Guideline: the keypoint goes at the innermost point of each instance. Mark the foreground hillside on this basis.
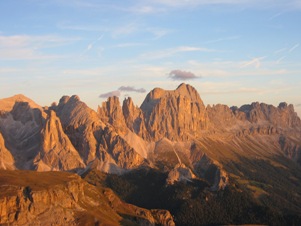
(59, 198)
(205, 164)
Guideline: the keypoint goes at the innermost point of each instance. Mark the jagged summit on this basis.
(8, 103)
(188, 91)
(175, 114)
(171, 142)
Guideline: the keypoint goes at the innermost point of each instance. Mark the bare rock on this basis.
(134, 118)
(176, 115)
(180, 173)
(57, 152)
(111, 113)
(7, 161)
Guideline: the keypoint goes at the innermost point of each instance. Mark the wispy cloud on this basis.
(25, 47)
(121, 89)
(261, 4)
(110, 94)
(172, 51)
(125, 30)
(255, 61)
(276, 15)
(280, 50)
(230, 38)
(91, 44)
(84, 72)
(131, 89)
(294, 47)
(280, 59)
(128, 44)
(180, 75)
(158, 32)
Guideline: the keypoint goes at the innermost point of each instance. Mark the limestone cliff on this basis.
(282, 116)
(111, 113)
(81, 124)
(134, 118)
(177, 115)
(57, 152)
(21, 131)
(95, 139)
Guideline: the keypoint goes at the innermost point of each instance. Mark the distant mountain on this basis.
(255, 148)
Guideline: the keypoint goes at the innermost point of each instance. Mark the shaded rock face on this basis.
(282, 116)
(177, 115)
(81, 124)
(220, 116)
(21, 131)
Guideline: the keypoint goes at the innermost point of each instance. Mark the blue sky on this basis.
(233, 52)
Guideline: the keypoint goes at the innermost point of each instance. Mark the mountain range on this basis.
(214, 153)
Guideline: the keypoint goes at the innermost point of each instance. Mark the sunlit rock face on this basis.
(111, 112)
(57, 152)
(177, 115)
(7, 161)
(134, 118)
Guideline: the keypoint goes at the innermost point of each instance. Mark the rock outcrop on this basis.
(180, 173)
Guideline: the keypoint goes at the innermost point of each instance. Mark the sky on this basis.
(233, 52)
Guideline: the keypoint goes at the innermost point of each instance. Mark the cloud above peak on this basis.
(179, 75)
(131, 89)
(110, 94)
(121, 89)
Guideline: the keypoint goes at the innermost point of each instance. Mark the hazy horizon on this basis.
(232, 52)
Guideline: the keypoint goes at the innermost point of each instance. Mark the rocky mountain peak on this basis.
(111, 112)
(134, 118)
(7, 104)
(175, 114)
(57, 151)
(188, 91)
(283, 116)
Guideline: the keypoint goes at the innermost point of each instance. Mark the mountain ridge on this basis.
(172, 132)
